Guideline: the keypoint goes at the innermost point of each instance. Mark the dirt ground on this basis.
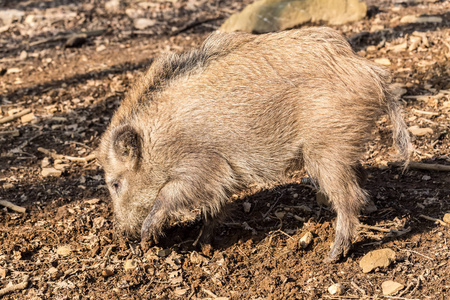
(65, 247)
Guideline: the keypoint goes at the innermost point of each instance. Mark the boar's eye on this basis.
(115, 186)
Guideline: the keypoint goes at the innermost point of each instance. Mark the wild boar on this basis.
(244, 109)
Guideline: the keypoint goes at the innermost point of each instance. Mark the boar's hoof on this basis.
(340, 249)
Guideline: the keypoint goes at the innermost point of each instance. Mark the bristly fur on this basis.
(244, 109)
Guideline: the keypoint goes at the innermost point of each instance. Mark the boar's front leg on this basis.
(200, 181)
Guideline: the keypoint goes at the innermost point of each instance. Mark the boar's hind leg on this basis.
(339, 181)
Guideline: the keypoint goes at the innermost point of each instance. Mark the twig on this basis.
(415, 252)
(209, 293)
(358, 288)
(270, 209)
(195, 23)
(425, 112)
(15, 116)
(9, 132)
(12, 206)
(64, 37)
(65, 157)
(15, 287)
(375, 228)
(422, 166)
(434, 220)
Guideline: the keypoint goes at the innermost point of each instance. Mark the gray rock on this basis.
(274, 15)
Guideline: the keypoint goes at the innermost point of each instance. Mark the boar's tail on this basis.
(400, 133)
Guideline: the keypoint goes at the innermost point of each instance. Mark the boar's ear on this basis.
(126, 144)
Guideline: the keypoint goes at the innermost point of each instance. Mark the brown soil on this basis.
(73, 93)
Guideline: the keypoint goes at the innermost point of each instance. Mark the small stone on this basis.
(180, 291)
(107, 272)
(421, 19)
(247, 206)
(336, 289)
(45, 162)
(306, 239)
(27, 118)
(446, 218)
(54, 273)
(112, 5)
(130, 265)
(64, 250)
(383, 61)
(51, 172)
(391, 287)
(143, 23)
(3, 272)
(164, 252)
(371, 48)
(23, 55)
(376, 259)
(426, 177)
(398, 48)
(416, 130)
(8, 185)
(415, 42)
(100, 48)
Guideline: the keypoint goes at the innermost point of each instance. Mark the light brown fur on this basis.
(244, 109)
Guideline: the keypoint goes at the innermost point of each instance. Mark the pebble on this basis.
(129, 265)
(23, 55)
(164, 252)
(107, 272)
(383, 61)
(247, 206)
(54, 273)
(45, 162)
(143, 23)
(376, 259)
(100, 48)
(27, 118)
(418, 131)
(46, 172)
(336, 289)
(391, 287)
(65, 250)
(415, 42)
(306, 239)
(3, 272)
(426, 177)
(446, 218)
(398, 48)
(112, 6)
